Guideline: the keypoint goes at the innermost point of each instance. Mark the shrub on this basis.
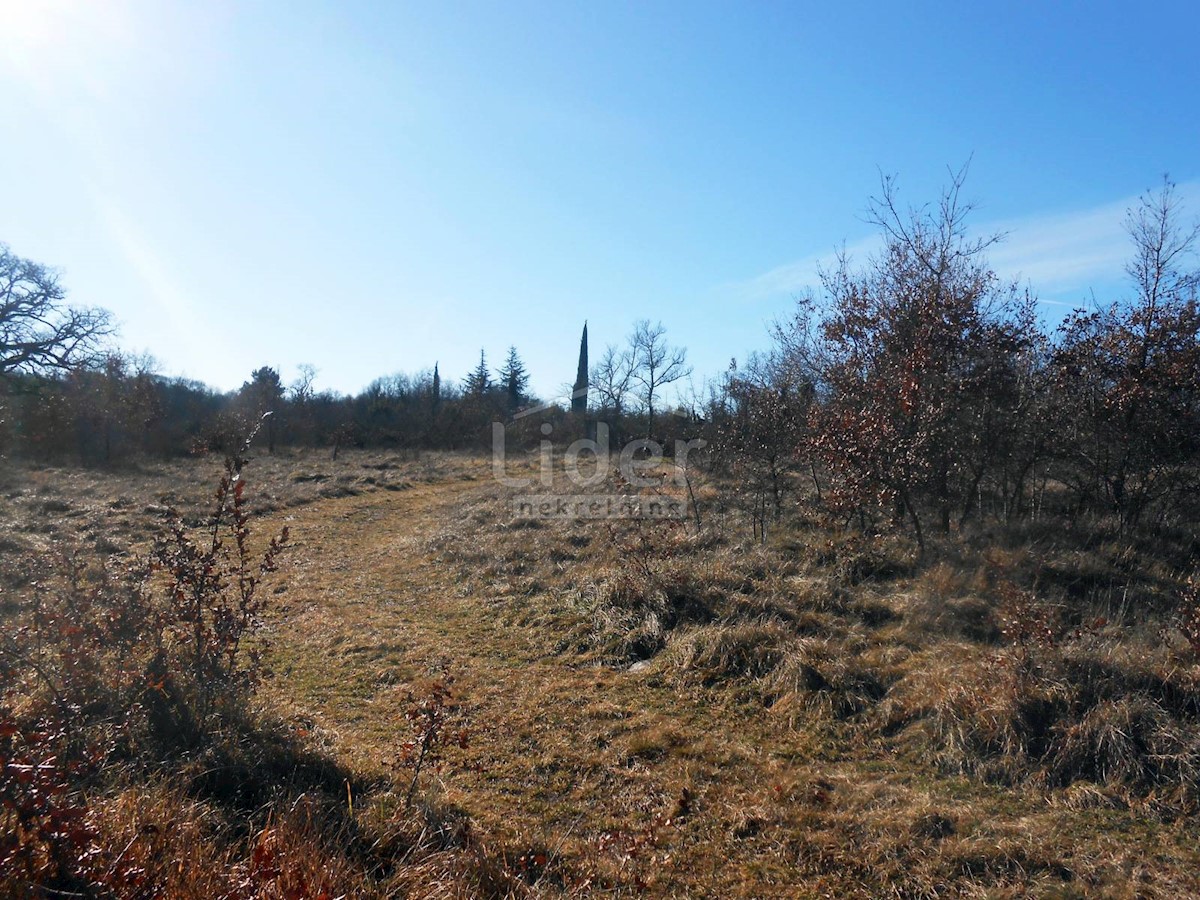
(91, 651)
(435, 717)
(1188, 615)
(211, 601)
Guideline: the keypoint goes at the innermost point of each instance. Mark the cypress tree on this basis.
(579, 399)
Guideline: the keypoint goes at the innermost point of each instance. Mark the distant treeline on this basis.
(120, 409)
(116, 408)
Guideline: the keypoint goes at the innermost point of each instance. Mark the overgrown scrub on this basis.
(808, 645)
(102, 659)
(134, 763)
(48, 835)
(108, 640)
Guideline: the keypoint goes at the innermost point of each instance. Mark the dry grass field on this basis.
(657, 709)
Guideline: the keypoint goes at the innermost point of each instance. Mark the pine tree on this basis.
(579, 398)
(479, 382)
(263, 394)
(514, 379)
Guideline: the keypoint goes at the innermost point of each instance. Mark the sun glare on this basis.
(31, 27)
(62, 44)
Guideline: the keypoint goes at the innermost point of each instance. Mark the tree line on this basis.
(918, 390)
(67, 395)
(921, 390)
(112, 407)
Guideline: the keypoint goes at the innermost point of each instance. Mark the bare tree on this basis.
(759, 421)
(612, 379)
(656, 364)
(39, 333)
(301, 390)
(300, 394)
(1127, 373)
(1164, 249)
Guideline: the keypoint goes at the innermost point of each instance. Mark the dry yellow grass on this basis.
(755, 711)
(811, 720)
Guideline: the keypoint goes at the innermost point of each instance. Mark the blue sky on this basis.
(373, 187)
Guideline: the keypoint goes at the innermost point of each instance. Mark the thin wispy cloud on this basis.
(1057, 254)
(1068, 251)
(799, 277)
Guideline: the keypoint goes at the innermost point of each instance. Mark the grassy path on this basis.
(635, 778)
(560, 753)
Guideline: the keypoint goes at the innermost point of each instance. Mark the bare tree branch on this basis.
(656, 364)
(39, 333)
